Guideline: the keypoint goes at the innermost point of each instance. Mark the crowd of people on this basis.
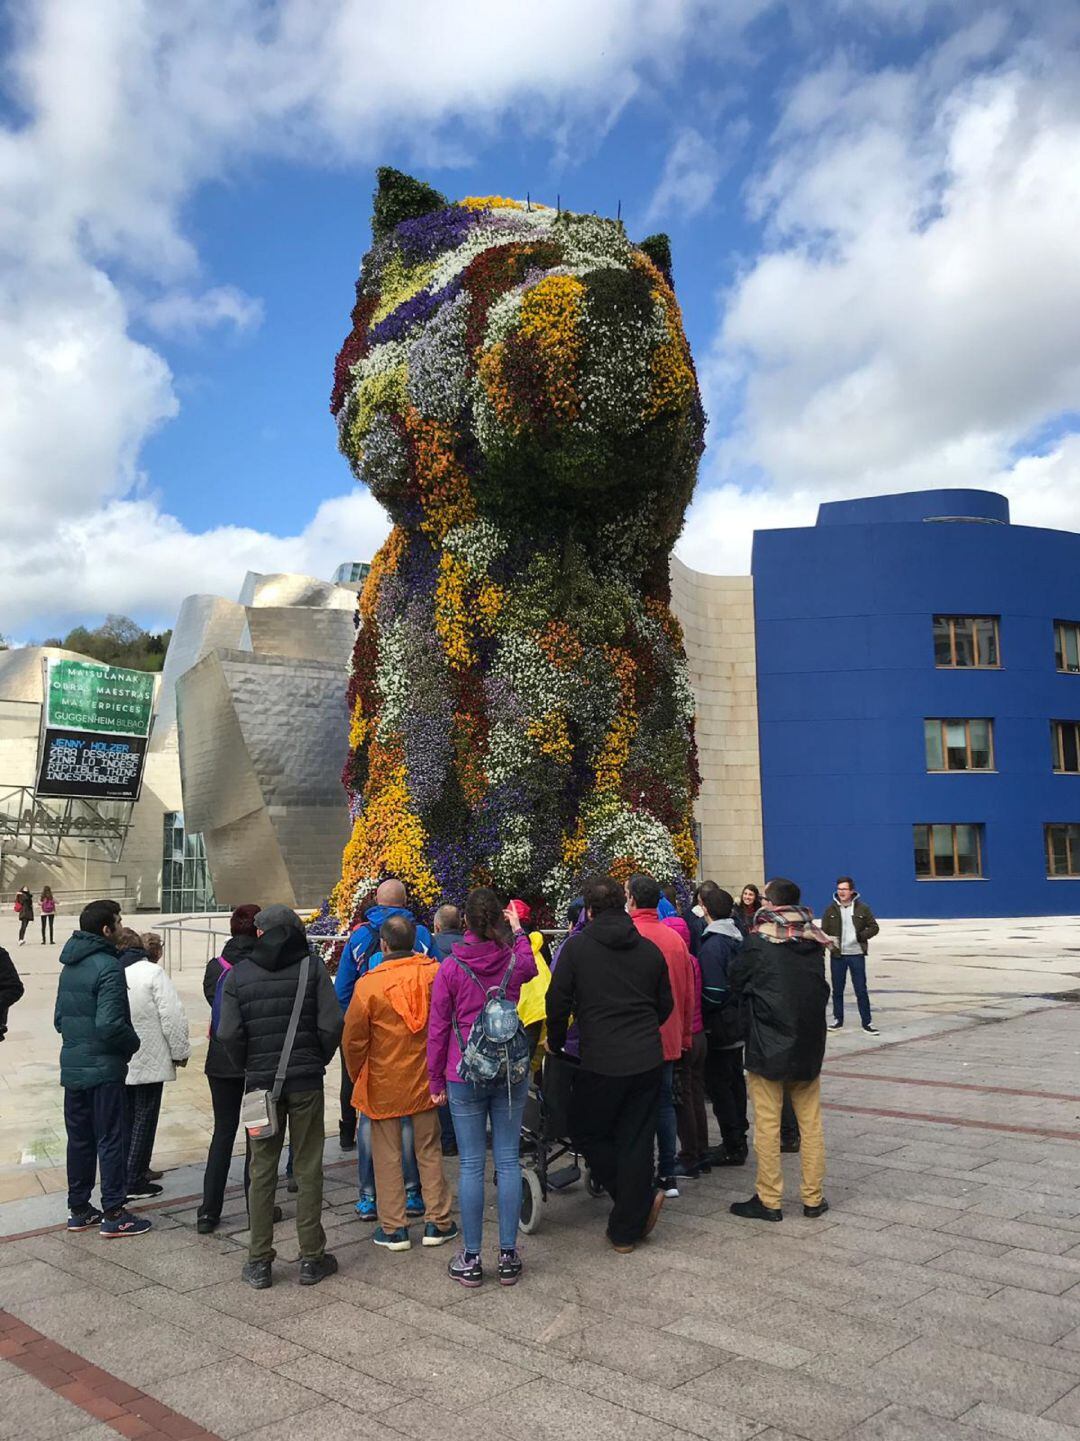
(653, 1013)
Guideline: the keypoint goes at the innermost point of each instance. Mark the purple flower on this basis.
(429, 235)
(411, 313)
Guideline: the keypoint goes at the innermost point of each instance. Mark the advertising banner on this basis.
(95, 724)
(82, 696)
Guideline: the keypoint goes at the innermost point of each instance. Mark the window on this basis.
(186, 884)
(963, 641)
(948, 852)
(1067, 645)
(959, 745)
(1065, 746)
(1063, 850)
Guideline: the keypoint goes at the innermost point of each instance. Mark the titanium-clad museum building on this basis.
(894, 692)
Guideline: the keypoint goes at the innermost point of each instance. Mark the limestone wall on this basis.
(717, 614)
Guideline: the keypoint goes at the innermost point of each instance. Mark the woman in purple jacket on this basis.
(492, 936)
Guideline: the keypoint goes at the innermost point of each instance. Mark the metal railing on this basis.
(196, 939)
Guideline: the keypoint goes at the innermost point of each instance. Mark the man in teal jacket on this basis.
(94, 1020)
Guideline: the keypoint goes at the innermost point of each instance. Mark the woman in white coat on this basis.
(157, 1014)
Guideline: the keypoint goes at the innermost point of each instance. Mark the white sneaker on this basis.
(22, 943)
(836, 1025)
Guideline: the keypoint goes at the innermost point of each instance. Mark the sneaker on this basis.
(871, 1030)
(84, 1220)
(292, 1185)
(314, 1269)
(258, 1275)
(123, 1223)
(622, 1248)
(366, 1208)
(685, 1172)
(704, 1166)
(654, 1213)
(393, 1240)
(723, 1157)
(668, 1185)
(835, 1025)
(207, 1225)
(449, 1148)
(510, 1267)
(814, 1211)
(145, 1191)
(414, 1204)
(755, 1210)
(467, 1270)
(434, 1237)
(346, 1139)
(154, 1175)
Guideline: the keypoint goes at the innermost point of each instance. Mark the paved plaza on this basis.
(939, 1298)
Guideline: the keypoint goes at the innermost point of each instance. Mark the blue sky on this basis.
(873, 209)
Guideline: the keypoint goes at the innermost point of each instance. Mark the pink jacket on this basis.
(456, 995)
(677, 1031)
(682, 930)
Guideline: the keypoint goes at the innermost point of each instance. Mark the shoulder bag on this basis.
(259, 1111)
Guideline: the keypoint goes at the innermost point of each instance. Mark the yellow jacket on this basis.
(531, 1005)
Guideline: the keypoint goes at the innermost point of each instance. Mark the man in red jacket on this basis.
(642, 900)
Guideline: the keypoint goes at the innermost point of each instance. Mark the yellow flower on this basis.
(399, 282)
(388, 838)
(494, 202)
(685, 849)
(489, 604)
(552, 737)
(451, 612)
(385, 390)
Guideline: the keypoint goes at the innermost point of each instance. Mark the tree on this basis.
(119, 641)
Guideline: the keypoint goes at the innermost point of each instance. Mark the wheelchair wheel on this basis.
(532, 1199)
(594, 1188)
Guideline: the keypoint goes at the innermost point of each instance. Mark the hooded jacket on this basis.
(159, 1020)
(11, 988)
(781, 990)
(92, 1014)
(677, 1032)
(385, 1040)
(352, 963)
(865, 922)
(219, 1063)
(615, 984)
(455, 996)
(720, 943)
(257, 1001)
(443, 942)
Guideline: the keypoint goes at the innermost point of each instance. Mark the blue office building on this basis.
(918, 668)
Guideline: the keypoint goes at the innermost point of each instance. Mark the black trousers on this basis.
(227, 1096)
(612, 1123)
(49, 919)
(725, 1086)
(24, 922)
(142, 1105)
(347, 1124)
(94, 1120)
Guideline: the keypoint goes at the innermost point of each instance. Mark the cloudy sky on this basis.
(874, 208)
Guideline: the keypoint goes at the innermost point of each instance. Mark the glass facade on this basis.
(948, 852)
(1067, 646)
(352, 572)
(966, 642)
(959, 745)
(185, 874)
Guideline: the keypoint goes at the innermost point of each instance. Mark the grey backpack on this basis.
(497, 1044)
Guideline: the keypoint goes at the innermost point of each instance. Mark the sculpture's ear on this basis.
(658, 249)
(400, 197)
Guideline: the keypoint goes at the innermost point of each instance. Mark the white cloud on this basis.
(689, 179)
(915, 312)
(128, 557)
(182, 315)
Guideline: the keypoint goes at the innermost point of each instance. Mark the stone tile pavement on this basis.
(939, 1298)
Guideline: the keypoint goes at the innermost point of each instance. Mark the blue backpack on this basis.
(497, 1044)
(215, 1004)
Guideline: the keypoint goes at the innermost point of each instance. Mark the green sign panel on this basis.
(104, 698)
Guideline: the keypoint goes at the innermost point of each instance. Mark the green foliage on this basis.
(400, 197)
(658, 249)
(118, 641)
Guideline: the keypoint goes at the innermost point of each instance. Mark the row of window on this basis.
(973, 642)
(958, 744)
(955, 852)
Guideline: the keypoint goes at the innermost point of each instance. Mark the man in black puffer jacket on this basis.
(778, 981)
(256, 1003)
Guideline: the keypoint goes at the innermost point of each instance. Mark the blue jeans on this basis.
(470, 1106)
(667, 1126)
(840, 966)
(365, 1170)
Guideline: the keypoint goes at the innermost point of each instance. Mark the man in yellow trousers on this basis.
(778, 982)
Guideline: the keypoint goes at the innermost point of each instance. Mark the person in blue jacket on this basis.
(362, 953)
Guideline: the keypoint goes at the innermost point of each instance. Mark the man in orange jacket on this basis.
(385, 1046)
(642, 899)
